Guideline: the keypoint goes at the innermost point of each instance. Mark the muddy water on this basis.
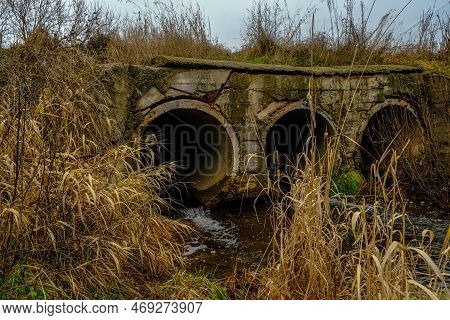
(239, 236)
(228, 238)
(424, 216)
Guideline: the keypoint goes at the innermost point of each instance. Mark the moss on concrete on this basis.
(177, 62)
(348, 183)
(143, 78)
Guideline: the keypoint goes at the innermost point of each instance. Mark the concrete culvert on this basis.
(289, 139)
(199, 145)
(391, 128)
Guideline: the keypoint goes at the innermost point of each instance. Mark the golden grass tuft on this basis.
(75, 206)
(320, 252)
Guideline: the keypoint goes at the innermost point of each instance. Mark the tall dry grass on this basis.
(78, 213)
(325, 248)
(325, 251)
(273, 33)
(164, 28)
(76, 209)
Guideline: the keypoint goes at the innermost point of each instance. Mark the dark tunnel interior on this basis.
(391, 128)
(290, 139)
(196, 142)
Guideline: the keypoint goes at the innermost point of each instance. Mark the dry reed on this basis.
(75, 208)
(323, 252)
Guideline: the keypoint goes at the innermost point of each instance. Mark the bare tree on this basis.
(4, 13)
(69, 20)
(28, 15)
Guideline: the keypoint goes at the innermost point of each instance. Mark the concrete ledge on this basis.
(189, 63)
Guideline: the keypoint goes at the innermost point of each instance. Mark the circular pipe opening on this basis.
(393, 127)
(197, 143)
(289, 139)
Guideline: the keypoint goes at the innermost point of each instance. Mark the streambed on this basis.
(239, 236)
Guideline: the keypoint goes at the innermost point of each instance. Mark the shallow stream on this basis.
(238, 236)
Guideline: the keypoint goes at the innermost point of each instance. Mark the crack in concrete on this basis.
(188, 95)
(165, 100)
(222, 88)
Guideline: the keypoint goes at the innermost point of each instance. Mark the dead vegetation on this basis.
(272, 33)
(80, 218)
(75, 208)
(165, 28)
(321, 252)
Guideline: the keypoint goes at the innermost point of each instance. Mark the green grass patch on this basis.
(25, 282)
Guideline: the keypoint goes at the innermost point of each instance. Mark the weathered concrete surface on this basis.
(248, 99)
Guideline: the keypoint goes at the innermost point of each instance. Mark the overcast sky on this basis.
(226, 16)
